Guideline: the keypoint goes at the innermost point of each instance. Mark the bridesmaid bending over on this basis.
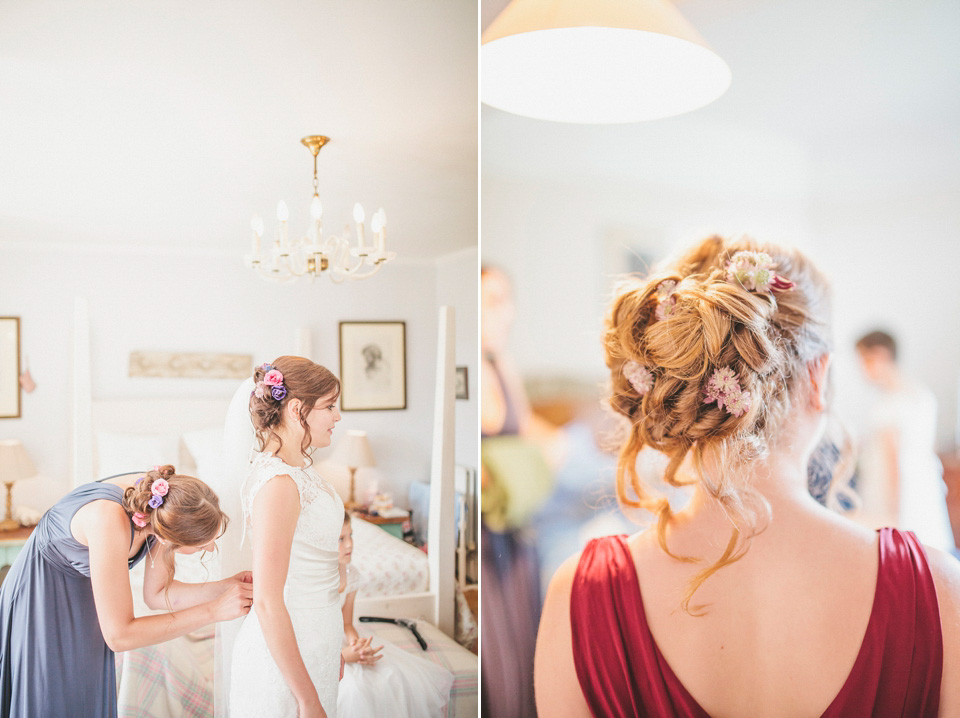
(66, 605)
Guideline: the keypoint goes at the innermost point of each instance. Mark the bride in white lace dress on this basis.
(286, 656)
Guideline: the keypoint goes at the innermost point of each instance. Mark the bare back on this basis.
(783, 627)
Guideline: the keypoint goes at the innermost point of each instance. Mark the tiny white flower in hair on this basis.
(639, 377)
(754, 271)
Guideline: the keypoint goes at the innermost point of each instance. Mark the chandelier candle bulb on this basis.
(358, 217)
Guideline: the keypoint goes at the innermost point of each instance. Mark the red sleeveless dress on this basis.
(623, 674)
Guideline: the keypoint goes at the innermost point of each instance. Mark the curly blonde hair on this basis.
(767, 339)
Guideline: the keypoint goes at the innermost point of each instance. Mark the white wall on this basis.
(891, 259)
(207, 301)
(554, 239)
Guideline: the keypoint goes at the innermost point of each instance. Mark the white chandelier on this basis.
(285, 260)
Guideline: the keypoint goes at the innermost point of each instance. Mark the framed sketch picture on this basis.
(460, 383)
(9, 367)
(373, 366)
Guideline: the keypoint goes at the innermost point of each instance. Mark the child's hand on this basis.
(360, 651)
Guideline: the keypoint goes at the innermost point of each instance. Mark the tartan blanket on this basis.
(175, 679)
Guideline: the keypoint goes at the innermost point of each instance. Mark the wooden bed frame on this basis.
(176, 416)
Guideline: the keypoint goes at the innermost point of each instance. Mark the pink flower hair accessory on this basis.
(639, 377)
(271, 385)
(273, 378)
(140, 519)
(723, 387)
(667, 301)
(754, 271)
(160, 487)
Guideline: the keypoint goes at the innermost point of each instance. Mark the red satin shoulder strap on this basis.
(621, 672)
(899, 667)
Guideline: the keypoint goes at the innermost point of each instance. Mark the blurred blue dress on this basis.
(54, 661)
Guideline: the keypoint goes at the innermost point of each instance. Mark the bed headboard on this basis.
(154, 422)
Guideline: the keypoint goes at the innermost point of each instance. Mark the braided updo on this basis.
(190, 514)
(765, 338)
(303, 380)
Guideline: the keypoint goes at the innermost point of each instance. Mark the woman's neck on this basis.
(781, 480)
(287, 449)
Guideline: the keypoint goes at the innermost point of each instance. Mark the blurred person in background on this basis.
(900, 478)
(515, 482)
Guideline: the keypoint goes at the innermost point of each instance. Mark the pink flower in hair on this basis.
(667, 301)
(666, 288)
(639, 377)
(160, 487)
(273, 378)
(738, 402)
(724, 389)
(723, 381)
(140, 519)
(260, 391)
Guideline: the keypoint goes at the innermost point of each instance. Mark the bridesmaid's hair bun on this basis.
(189, 515)
(304, 380)
(683, 323)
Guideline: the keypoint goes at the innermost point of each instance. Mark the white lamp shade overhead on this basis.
(597, 61)
(15, 463)
(354, 451)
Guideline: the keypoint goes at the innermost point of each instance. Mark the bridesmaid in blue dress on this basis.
(66, 604)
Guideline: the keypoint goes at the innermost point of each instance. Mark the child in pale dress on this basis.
(382, 680)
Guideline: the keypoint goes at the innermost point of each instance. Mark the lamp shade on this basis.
(354, 451)
(597, 61)
(15, 463)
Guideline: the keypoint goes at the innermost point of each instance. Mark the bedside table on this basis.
(393, 526)
(11, 542)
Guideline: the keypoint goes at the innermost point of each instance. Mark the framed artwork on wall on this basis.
(9, 367)
(460, 385)
(373, 366)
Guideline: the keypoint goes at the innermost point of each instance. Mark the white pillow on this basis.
(129, 453)
(206, 447)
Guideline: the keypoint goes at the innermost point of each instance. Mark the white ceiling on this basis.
(169, 123)
(846, 98)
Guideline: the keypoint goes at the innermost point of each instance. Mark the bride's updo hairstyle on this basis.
(180, 509)
(679, 338)
(301, 379)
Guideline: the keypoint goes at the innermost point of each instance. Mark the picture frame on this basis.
(10, 395)
(460, 384)
(373, 366)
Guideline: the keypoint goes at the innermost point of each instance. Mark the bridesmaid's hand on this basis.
(242, 577)
(234, 602)
(342, 664)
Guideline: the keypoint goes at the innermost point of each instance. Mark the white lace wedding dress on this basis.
(257, 688)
